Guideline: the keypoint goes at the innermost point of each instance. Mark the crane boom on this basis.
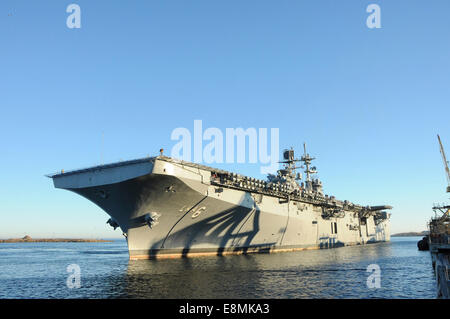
(447, 171)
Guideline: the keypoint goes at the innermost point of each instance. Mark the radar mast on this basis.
(306, 159)
(310, 185)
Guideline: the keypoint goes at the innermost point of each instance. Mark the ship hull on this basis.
(440, 258)
(442, 272)
(169, 210)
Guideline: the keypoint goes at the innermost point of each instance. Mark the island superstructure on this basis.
(171, 208)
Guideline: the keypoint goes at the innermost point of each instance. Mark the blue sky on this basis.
(369, 102)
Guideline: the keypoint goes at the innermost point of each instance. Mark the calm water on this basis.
(39, 270)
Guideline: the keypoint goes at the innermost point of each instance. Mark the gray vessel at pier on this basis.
(439, 239)
(171, 208)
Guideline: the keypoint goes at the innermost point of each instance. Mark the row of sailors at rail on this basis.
(313, 186)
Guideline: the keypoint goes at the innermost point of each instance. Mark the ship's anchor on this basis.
(151, 219)
(170, 189)
(102, 193)
(113, 223)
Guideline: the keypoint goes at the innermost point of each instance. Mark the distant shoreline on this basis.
(411, 234)
(28, 239)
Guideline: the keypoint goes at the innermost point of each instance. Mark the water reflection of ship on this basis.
(298, 275)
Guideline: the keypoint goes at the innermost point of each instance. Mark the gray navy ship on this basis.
(171, 208)
(439, 239)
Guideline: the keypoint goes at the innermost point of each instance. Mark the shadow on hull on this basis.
(224, 229)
